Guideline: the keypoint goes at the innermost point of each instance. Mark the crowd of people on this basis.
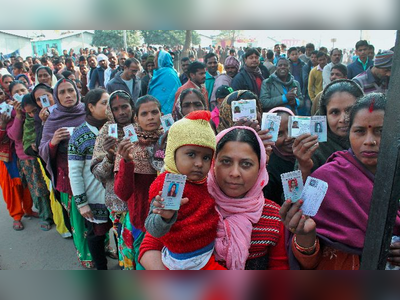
(65, 153)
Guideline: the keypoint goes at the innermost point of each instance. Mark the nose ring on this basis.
(374, 142)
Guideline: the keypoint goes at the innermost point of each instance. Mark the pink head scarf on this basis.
(237, 216)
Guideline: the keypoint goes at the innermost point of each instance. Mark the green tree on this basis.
(231, 35)
(115, 38)
(168, 37)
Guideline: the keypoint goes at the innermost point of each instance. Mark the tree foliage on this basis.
(168, 37)
(231, 35)
(115, 38)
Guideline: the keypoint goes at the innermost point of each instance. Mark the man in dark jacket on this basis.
(127, 80)
(281, 89)
(97, 76)
(362, 63)
(250, 76)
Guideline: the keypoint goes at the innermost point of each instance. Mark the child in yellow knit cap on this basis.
(187, 236)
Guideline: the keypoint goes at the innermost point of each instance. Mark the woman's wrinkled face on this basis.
(337, 112)
(365, 137)
(236, 169)
(19, 89)
(122, 111)
(67, 94)
(191, 103)
(44, 77)
(6, 83)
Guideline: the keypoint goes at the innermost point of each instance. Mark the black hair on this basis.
(209, 55)
(361, 43)
(129, 61)
(14, 83)
(310, 45)
(251, 51)
(190, 91)
(146, 99)
(28, 100)
(5, 76)
(372, 101)
(19, 65)
(302, 49)
(335, 49)
(291, 49)
(371, 47)
(92, 97)
(315, 52)
(66, 74)
(195, 66)
(341, 68)
(48, 70)
(321, 54)
(69, 60)
(232, 51)
(240, 135)
(82, 58)
(35, 67)
(58, 61)
(270, 54)
(183, 59)
(340, 85)
(323, 49)
(44, 59)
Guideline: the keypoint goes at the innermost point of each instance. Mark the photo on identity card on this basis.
(172, 191)
(17, 97)
(244, 109)
(313, 194)
(271, 122)
(130, 133)
(292, 183)
(298, 125)
(319, 127)
(167, 121)
(113, 130)
(44, 99)
(5, 108)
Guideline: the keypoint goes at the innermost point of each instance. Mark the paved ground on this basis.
(34, 249)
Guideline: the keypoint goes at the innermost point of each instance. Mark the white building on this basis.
(10, 43)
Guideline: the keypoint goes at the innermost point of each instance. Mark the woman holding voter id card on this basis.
(334, 238)
(53, 149)
(134, 172)
(337, 100)
(119, 113)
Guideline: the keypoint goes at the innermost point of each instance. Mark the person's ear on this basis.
(91, 107)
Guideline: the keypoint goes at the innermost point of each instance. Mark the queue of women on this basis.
(232, 214)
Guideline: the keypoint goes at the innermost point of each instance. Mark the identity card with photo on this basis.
(172, 192)
(315, 125)
(113, 130)
(130, 133)
(292, 183)
(319, 127)
(70, 130)
(17, 97)
(6, 108)
(167, 121)
(244, 109)
(313, 194)
(271, 122)
(44, 99)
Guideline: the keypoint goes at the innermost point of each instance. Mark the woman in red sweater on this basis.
(250, 234)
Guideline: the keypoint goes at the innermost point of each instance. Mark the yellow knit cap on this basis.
(193, 129)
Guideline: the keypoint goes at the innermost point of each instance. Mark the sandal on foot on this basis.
(45, 226)
(18, 226)
(111, 253)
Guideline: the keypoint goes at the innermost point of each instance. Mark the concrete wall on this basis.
(10, 43)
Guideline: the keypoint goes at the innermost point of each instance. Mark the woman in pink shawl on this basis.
(334, 238)
(250, 234)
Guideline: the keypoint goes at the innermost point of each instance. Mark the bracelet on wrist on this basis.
(304, 250)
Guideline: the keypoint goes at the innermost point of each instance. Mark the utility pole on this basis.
(386, 194)
(125, 43)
